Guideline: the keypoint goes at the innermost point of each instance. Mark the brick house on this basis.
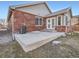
(38, 17)
(1, 26)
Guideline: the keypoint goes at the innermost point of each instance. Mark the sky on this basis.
(53, 5)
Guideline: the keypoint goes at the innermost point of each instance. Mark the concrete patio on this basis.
(35, 39)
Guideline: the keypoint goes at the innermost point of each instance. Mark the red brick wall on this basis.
(28, 19)
(60, 28)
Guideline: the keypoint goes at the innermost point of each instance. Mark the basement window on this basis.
(38, 21)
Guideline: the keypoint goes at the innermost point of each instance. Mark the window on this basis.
(66, 20)
(38, 21)
(59, 20)
(49, 21)
(52, 21)
(55, 22)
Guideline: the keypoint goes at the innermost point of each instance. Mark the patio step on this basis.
(49, 30)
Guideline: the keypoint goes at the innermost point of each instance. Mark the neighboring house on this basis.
(2, 23)
(75, 23)
(1, 26)
(38, 17)
(75, 20)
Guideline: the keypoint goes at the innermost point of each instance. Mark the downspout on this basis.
(12, 21)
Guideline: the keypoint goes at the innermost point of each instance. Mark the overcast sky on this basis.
(53, 5)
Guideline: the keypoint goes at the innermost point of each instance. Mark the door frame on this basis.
(50, 23)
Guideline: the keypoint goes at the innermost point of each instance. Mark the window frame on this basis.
(40, 21)
(65, 20)
(60, 20)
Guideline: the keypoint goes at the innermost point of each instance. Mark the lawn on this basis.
(69, 47)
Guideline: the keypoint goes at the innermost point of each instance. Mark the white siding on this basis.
(40, 9)
(68, 21)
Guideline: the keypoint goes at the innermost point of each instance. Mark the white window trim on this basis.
(41, 23)
(49, 23)
(65, 20)
(54, 21)
(61, 20)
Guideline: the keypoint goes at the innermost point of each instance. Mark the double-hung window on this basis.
(66, 20)
(38, 21)
(59, 20)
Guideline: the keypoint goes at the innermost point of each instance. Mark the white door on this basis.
(49, 23)
(53, 22)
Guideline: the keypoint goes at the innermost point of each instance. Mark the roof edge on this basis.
(65, 9)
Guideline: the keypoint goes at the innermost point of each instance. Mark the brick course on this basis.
(28, 19)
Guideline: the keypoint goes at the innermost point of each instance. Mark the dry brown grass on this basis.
(68, 48)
